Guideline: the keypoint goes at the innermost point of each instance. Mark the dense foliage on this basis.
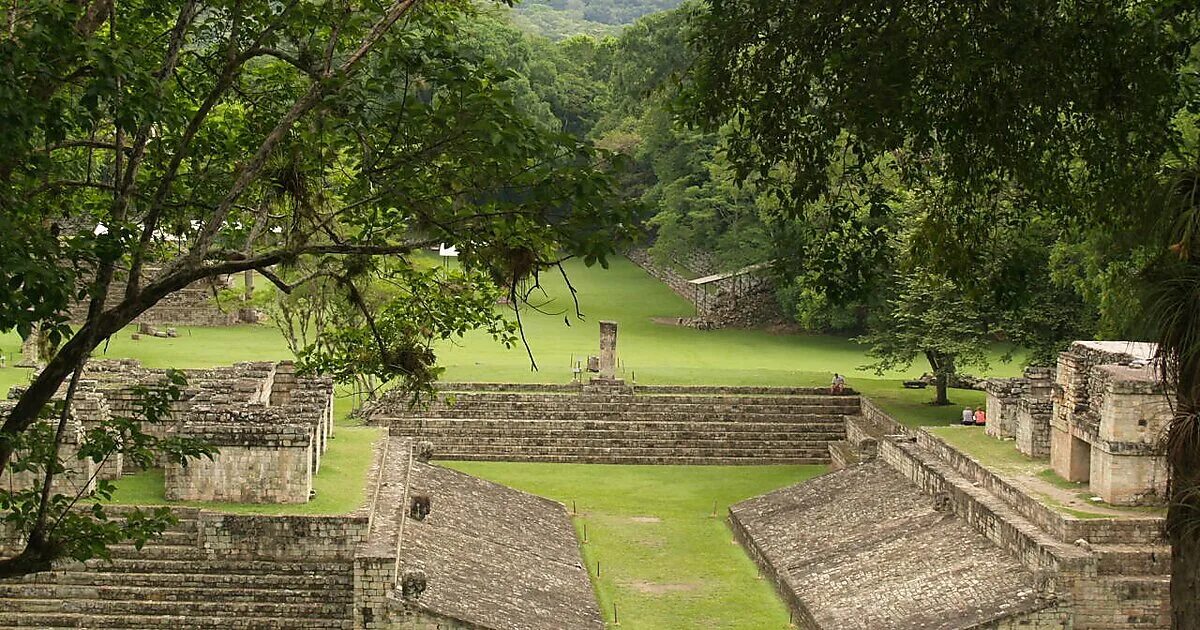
(1030, 124)
(557, 19)
(319, 144)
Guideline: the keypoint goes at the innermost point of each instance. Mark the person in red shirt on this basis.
(980, 417)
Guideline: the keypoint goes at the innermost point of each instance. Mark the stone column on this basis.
(30, 357)
(608, 350)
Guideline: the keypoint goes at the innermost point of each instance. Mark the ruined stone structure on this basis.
(738, 300)
(912, 533)
(194, 305)
(630, 425)
(1109, 415)
(475, 555)
(479, 556)
(269, 425)
(1020, 408)
(89, 410)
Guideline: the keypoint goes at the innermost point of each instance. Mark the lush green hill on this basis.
(557, 19)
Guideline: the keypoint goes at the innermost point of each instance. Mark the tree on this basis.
(163, 143)
(1072, 105)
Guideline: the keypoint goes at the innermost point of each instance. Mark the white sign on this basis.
(447, 250)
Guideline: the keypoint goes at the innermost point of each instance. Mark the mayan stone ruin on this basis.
(198, 304)
(910, 532)
(431, 548)
(1109, 416)
(906, 531)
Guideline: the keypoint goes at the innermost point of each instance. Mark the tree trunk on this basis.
(248, 277)
(943, 367)
(943, 382)
(1183, 515)
(1185, 576)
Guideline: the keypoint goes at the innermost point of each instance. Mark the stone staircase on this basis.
(1114, 573)
(173, 583)
(700, 426)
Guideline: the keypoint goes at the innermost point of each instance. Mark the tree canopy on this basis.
(161, 143)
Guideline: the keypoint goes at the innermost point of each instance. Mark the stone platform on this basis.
(628, 425)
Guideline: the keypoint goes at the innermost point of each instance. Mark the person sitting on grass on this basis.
(968, 417)
(980, 417)
(839, 384)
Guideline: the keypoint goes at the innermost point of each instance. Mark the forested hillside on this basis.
(855, 259)
(557, 19)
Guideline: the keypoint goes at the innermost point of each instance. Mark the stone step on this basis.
(328, 580)
(469, 441)
(176, 593)
(1133, 559)
(309, 608)
(614, 410)
(642, 405)
(532, 429)
(590, 428)
(215, 565)
(664, 420)
(634, 460)
(95, 620)
(157, 550)
(811, 450)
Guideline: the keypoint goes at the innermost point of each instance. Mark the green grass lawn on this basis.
(664, 559)
(650, 352)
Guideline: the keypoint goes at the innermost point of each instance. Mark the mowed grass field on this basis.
(662, 556)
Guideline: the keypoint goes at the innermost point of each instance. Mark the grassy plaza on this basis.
(665, 560)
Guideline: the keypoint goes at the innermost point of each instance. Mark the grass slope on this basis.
(664, 560)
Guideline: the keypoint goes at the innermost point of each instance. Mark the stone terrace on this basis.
(864, 548)
(642, 425)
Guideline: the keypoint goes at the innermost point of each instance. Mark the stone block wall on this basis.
(80, 475)
(280, 538)
(1032, 427)
(741, 302)
(1021, 408)
(261, 459)
(270, 427)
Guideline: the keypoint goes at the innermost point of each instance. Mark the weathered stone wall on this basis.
(266, 474)
(740, 302)
(1032, 427)
(270, 427)
(79, 475)
(1021, 408)
(1109, 416)
(280, 538)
